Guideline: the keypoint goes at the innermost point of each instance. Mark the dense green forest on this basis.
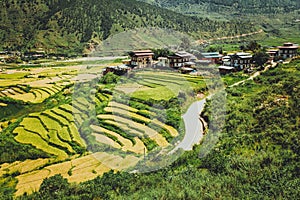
(69, 26)
(256, 156)
(229, 7)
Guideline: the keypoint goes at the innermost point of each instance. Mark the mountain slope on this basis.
(229, 7)
(67, 26)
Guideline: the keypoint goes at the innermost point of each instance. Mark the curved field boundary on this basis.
(138, 147)
(164, 76)
(59, 138)
(78, 170)
(164, 81)
(45, 90)
(70, 109)
(57, 88)
(2, 94)
(34, 124)
(115, 127)
(56, 141)
(75, 135)
(127, 114)
(23, 167)
(106, 140)
(48, 123)
(148, 84)
(96, 101)
(11, 91)
(75, 113)
(54, 116)
(144, 113)
(62, 113)
(82, 108)
(122, 106)
(27, 137)
(27, 97)
(51, 123)
(63, 130)
(83, 101)
(49, 90)
(103, 96)
(34, 96)
(159, 139)
(17, 90)
(129, 129)
(168, 128)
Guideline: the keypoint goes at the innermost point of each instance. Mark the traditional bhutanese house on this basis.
(226, 69)
(272, 53)
(288, 50)
(178, 59)
(143, 58)
(212, 57)
(241, 60)
(162, 62)
(118, 70)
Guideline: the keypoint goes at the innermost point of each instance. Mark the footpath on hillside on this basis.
(228, 37)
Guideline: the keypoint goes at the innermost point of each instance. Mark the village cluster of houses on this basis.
(186, 62)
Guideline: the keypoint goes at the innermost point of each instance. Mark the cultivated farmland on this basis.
(86, 133)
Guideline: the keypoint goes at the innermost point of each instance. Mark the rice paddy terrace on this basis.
(90, 133)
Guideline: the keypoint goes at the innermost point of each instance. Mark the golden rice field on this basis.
(127, 145)
(52, 131)
(77, 170)
(121, 127)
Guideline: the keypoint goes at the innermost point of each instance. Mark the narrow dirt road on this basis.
(193, 127)
(254, 75)
(228, 37)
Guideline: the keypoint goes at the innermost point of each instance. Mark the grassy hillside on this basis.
(70, 26)
(256, 156)
(278, 19)
(229, 7)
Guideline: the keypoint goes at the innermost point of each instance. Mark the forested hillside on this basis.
(256, 156)
(67, 26)
(230, 7)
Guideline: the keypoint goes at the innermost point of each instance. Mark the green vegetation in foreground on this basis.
(230, 79)
(256, 156)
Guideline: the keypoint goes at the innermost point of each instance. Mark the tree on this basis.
(161, 53)
(260, 57)
(252, 46)
(109, 78)
(54, 186)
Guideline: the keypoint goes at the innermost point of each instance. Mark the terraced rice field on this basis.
(77, 170)
(32, 95)
(53, 131)
(130, 124)
(126, 145)
(121, 127)
(147, 84)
